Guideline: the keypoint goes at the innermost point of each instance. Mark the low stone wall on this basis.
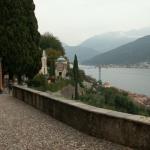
(125, 129)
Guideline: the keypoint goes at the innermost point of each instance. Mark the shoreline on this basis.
(111, 67)
(140, 99)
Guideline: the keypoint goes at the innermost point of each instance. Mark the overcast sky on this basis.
(73, 21)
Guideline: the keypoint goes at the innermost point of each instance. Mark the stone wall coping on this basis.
(106, 112)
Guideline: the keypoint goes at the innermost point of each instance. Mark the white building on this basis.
(44, 69)
(106, 85)
(61, 67)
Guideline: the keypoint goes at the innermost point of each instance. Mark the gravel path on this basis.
(24, 128)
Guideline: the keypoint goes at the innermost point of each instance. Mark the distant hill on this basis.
(111, 40)
(105, 42)
(131, 53)
(96, 45)
(138, 32)
(81, 52)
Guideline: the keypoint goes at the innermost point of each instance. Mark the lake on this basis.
(130, 79)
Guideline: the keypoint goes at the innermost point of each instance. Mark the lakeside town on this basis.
(143, 65)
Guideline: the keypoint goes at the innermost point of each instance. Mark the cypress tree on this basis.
(76, 76)
(48, 41)
(19, 38)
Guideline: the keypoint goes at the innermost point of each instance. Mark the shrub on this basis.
(54, 87)
(112, 98)
(39, 82)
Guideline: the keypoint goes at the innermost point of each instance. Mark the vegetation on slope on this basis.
(112, 98)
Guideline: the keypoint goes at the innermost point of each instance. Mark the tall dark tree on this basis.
(76, 76)
(48, 41)
(19, 38)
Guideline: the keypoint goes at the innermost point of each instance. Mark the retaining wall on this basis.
(122, 128)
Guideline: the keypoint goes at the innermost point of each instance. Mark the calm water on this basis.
(134, 80)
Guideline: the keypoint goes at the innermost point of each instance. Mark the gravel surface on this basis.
(24, 128)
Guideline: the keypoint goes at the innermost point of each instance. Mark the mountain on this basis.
(96, 45)
(138, 32)
(81, 52)
(102, 43)
(131, 53)
(107, 41)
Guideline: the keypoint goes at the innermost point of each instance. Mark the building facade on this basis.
(61, 68)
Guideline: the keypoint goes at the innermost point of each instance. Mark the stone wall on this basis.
(125, 129)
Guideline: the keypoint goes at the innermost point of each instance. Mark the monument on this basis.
(44, 69)
(61, 68)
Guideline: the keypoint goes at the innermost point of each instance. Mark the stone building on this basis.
(61, 67)
(44, 69)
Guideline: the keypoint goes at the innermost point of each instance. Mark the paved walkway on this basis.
(24, 128)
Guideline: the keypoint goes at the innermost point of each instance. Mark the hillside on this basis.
(105, 42)
(131, 53)
(82, 53)
(111, 40)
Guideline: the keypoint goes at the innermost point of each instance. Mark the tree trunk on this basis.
(11, 76)
(1, 78)
(19, 80)
(76, 91)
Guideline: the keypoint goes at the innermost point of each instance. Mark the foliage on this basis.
(54, 87)
(76, 76)
(52, 55)
(93, 99)
(81, 76)
(19, 38)
(111, 98)
(100, 82)
(48, 41)
(39, 82)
